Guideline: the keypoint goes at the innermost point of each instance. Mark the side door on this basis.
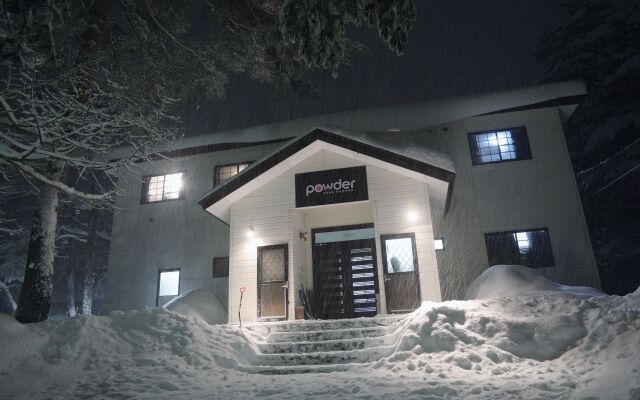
(401, 279)
(273, 282)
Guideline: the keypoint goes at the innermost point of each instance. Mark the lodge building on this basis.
(373, 211)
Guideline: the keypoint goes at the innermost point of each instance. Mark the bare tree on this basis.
(91, 88)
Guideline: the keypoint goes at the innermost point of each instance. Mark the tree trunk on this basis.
(7, 293)
(71, 281)
(87, 286)
(35, 297)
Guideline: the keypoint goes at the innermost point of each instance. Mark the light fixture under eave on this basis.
(412, 215)
(250, 233)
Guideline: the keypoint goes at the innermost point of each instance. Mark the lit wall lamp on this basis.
(250, 232)
(412, 215)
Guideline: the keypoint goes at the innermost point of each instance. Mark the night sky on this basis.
(456, 47)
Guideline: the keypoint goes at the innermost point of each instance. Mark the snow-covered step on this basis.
(324, 325)
(296, 369)
(325, 345)
(325, 357)
(309, 336)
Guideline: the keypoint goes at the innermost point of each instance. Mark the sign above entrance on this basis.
(342, 185)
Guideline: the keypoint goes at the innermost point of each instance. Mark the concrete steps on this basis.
(322, 346)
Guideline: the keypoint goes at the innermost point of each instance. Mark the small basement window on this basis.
(531, 248)
(221, 267)
(226, 172)
(497, 146)
(169, 283)
(162, 187)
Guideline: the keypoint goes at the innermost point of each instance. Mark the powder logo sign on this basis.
(332, 186)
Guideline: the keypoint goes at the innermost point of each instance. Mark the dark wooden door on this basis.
(401, 276)
(272, 281)
(345, 279)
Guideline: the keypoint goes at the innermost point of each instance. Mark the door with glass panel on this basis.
(273, 282)
(401, 279)
(345, 273)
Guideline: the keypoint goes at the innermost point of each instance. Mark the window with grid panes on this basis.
(226, 172)
(162, 187)
(531, 248)
(498, 146)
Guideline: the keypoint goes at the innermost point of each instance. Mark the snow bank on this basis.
(517, 280)
(540, 346)
(199, 303)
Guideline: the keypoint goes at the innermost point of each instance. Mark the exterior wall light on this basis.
(438, 244)
(412, 216)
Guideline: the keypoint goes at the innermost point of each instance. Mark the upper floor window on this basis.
(162, 187)
(501, 145)
(531, 248)
(226, 172)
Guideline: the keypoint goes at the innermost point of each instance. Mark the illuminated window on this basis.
(162, 187)
(527, 247)
(169, 283)
(497, 146)
(226, 172)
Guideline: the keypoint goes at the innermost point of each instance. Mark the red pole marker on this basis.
(242, 290)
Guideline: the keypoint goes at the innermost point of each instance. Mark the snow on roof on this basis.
(404, 117)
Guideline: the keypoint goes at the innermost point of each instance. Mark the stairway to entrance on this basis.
(322, 346)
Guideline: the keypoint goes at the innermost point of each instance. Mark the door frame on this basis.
(369, 225)
(385, 266)
(285, 247)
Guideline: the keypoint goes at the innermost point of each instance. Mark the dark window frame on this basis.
(521, 144)
(383, 247)
(285, 247)
(217, 168)
(146, 179)
(224, 274)
(511, 232)
(160, 271)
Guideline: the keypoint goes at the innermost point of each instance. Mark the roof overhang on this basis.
(220, 199)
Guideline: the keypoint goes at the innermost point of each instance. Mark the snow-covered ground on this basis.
(554, 345)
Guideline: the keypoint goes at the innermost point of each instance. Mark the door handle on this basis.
(386, 278)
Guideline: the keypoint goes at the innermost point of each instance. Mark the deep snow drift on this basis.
(539, 346)
(518, 280)
(199, 303)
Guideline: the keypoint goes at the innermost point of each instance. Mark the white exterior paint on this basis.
(269, 211)
(518, 195)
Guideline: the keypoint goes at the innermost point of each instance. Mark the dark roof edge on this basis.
(332, 138)
(560, 101)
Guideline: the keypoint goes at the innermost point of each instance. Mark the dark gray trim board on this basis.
(560, 101)
(298, 144)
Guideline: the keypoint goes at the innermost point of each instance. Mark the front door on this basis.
(401, 278)
(272, 282)
(345, 273)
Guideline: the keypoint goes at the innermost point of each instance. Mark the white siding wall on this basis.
(171, 234)
(270, 211)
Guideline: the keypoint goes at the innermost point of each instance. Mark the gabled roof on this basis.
(420, 160)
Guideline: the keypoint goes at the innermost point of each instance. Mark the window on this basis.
(226, 172)
(168, 283)
(497, 146)
(221, 267)
(162, 187)
(399, 253)
(531, 248)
